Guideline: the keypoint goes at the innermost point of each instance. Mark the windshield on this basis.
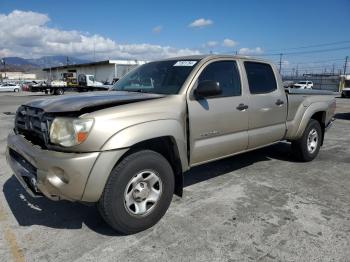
(162, 77)
(302, 83)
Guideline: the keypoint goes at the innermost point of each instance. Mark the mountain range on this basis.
(25, 64)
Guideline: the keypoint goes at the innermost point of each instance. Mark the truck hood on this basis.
(89, 101)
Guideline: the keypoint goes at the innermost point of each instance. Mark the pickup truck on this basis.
(127, 149)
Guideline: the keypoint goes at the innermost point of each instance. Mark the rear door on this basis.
(267, 105)
(217, 127)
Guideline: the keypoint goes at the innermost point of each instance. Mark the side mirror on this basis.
(207, 88)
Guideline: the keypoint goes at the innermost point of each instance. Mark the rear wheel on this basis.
(307, 147)
(138, 192)
(59, 91)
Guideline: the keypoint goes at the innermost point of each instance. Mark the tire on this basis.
(123, 181)
(16, 90)
(307, 147)
(59, 91)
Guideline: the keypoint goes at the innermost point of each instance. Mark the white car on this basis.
(304, 85)
(7, 87)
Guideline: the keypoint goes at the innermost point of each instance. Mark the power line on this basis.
(309, 46)
(309, 52)
(318, 61)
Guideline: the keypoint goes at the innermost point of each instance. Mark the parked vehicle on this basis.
(9, 87)
(288, 84)
(25, 85)
(127, 149)
(345, 86)
(37, 86)
(304, 85)
(87, 82)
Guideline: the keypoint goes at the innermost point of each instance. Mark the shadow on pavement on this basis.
(280, 151)
(67, 215)
(343, 116)
(30, 211)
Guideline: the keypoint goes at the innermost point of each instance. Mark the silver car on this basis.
(8, 87)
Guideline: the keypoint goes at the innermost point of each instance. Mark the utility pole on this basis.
(333, 69)
(346, 64)
(4, 63)
(280, 63)
(297, 71)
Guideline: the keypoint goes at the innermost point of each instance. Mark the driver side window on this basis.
(226, 74)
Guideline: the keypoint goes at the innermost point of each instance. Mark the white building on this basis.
(17, 76)
(104, 71)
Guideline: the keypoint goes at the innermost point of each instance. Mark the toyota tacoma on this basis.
(127, 149)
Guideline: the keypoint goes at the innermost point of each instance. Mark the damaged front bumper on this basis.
(57, 175)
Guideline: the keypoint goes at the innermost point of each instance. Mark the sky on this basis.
(156, 29)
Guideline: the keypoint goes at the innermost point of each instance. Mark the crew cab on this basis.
(127, 149)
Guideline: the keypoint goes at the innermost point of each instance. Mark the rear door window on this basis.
(261, 77)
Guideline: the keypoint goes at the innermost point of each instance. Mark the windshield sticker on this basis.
(185, 63)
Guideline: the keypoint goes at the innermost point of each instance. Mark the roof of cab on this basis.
(212, 56)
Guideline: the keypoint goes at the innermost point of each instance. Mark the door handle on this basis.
(242, 107)
(279, 102)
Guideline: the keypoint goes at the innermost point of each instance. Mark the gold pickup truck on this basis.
(126, 149)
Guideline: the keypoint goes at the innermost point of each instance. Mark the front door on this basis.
(218, 125)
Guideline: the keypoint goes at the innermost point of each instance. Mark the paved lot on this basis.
(260, 206)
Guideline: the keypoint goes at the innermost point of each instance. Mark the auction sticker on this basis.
(185, 63)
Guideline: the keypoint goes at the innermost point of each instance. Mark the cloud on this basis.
(27, 34)
(157, 29)
(201, 22)
(211, 43)
(250, 51)
(229, 43)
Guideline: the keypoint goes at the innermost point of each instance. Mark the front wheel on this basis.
(306, 148)
(16, 90)
(138, 192)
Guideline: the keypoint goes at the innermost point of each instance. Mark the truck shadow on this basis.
(280, 151)
(343, 116)
(66, 215)
(30, 211)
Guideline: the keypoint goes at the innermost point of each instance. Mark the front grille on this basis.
(33, 124)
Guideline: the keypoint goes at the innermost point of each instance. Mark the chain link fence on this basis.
(321, 82)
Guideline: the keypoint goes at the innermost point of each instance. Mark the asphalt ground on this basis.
(258, 206)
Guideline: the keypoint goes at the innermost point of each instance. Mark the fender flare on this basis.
(309, 112)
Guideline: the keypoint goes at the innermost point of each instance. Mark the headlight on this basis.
(68, 132)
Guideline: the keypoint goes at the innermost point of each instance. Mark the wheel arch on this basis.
(167, 147)
(316, 111)
(162, 136)
(320, 117)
